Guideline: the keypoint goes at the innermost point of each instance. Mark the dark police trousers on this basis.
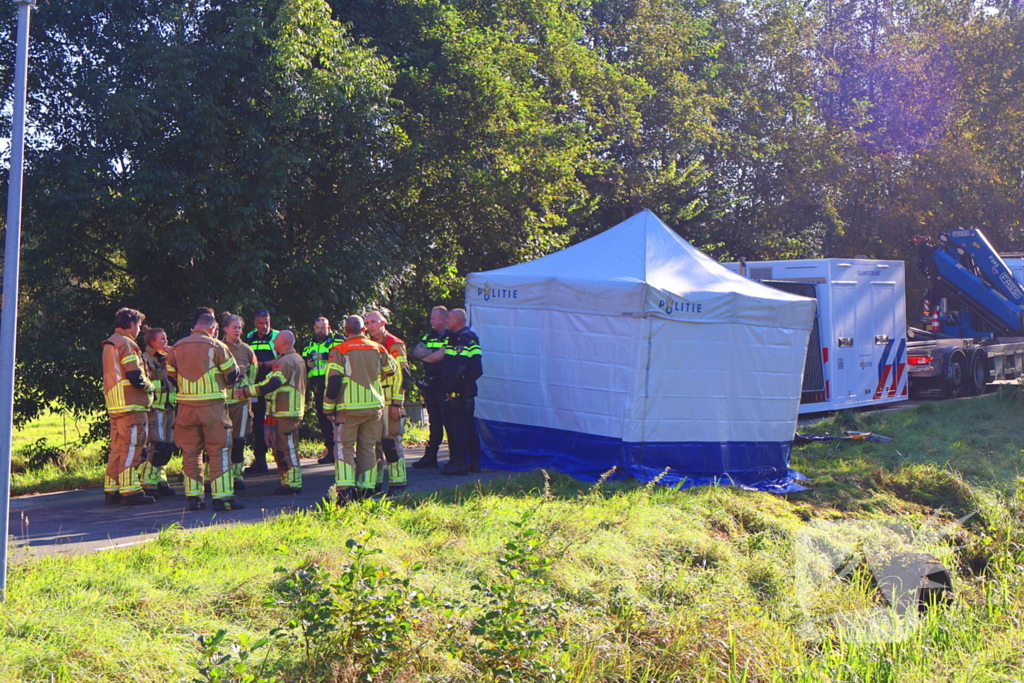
(463, 440)
(433, 396)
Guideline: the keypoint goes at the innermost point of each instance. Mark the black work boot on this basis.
(344, 494)
(139, 498)
(455, 467)
(112, 497)
(195, 503)
(239, 484)
(152, 493)
(429, 459)
(164, 489)
(256, 468)
(327, 459)
(396, 491)
(221, 504)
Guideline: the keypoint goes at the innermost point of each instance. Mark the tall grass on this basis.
(648, 584)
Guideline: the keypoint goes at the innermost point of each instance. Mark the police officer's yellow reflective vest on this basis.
(319, 351)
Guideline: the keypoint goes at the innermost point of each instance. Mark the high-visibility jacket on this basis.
(357, 375)
(164, 395)
(462, 365)
(433, 340)
(319, 351)
(263, 347)
(203, 367)
(126, 388)
(401, 379)
(284, 387)
(245, 358)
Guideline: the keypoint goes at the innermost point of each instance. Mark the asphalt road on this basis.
(79, 522)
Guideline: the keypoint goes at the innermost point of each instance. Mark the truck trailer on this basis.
(971, 330)
(857, 354)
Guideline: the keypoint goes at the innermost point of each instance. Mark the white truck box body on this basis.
(861, 324)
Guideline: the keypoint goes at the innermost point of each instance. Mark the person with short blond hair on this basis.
(239, 409)
(160, 447)
(389, 448)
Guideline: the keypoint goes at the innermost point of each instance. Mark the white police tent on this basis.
(635, 350)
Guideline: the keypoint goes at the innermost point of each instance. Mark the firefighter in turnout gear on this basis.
(261, 340)
(239, 409)
(316, 353)
(128, 394)
(358, 388)
(430, 350)
(203, 369)
(285, 392)
(389, 449)
(161, 416)
(461, 368)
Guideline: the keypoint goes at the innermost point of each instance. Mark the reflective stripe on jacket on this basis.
(358, 371)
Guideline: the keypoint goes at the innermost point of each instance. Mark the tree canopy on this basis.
(323, 156)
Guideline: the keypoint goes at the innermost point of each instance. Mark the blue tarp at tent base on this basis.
(756, 466)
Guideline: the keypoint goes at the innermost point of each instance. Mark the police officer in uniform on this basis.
(461, 368)
(261, 340)
(315, 354)
(430, 350)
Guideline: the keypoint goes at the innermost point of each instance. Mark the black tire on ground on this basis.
(956, 380)
(979, 372)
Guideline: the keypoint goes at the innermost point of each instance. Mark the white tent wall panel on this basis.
(717, 383)
(557, 370)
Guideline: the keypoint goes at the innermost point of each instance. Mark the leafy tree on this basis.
(234, 154)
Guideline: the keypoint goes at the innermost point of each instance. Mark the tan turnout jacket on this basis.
(121, 355)
(201, 365)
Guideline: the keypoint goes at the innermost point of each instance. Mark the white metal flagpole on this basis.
(12, 255)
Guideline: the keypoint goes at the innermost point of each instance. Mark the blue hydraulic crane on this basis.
(964, 266)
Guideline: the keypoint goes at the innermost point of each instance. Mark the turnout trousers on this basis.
(286, 452)
(241, 427)
(161, 445)
(389, 451)
(358, 432)
(207, 428)
(128, 438)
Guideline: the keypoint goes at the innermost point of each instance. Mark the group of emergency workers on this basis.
(205, 396)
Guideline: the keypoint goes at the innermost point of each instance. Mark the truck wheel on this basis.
(979, 372)
(956, 379)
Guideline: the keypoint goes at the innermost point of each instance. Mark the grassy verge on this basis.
(553, 580)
